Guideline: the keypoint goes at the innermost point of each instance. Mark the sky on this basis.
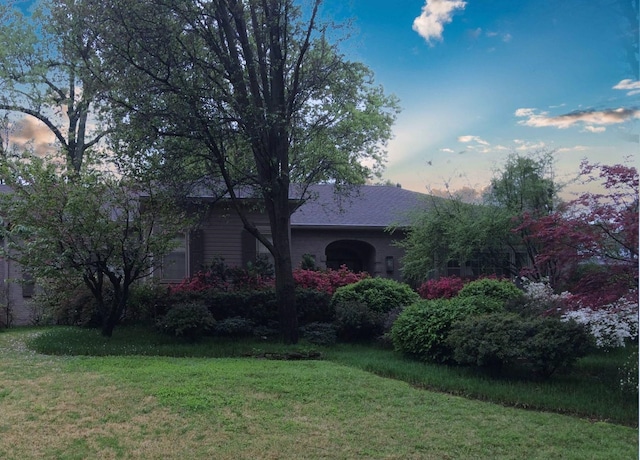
(478, 80)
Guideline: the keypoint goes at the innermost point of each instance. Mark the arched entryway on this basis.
(358, 256)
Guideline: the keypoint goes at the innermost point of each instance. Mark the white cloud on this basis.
(629, 85)
(447, 150)
(476, 139)
(506, 38)
(575, 148)
(593, 119)
(595, 129)
(436, 13)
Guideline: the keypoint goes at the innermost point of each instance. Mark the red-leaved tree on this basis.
(590, 245)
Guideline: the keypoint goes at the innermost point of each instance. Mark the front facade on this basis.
(334, 230)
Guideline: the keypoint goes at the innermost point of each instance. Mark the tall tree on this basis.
(43, 75)
(105, 229)
(265, 103)
(482, 234)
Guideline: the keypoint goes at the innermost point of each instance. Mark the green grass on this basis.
(591, 390)
(164, 407)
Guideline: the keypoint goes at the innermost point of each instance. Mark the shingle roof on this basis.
(376, 206)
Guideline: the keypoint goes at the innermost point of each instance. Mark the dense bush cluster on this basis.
(489, 324)
(497, 340)
(422, 328)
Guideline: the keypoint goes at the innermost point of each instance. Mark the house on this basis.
(334, 229)
(352, 230)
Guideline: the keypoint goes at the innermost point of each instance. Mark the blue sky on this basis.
(479, 79)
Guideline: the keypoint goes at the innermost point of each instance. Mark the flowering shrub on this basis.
(327, 280)
(611, 325)
(221, 278)
(441, 288)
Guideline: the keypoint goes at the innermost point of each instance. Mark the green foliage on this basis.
(188, 320)
(500, 340)
(313, 306)
(355, 321)
(422, 328)
(526, 184)
(235, 327)
(629, 374)
(89, 225)
(379, 294)
(501, 290)
(320, 333)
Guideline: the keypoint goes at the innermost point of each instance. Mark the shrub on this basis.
(378, 294)
(326, 280)
(218, 276)
(502, 290)
(234, 327)
(441, 288)
(260, 306)
(499, 339)
(188, 320)
(320, 333)
(612, 325)
(422, 328)
(355, 321)
(538, 299)
(313, 306)
(146, 302)
(629, 374)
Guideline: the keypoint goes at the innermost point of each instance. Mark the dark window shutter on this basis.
(248, 248)
(28, 285)
(196, 251)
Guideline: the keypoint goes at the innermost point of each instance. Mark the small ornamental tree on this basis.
(590, 246)
(60, 225)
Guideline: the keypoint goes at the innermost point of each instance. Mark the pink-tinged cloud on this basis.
(436, 13)
(632, 86)
(467, 139)
(28, 131)
(595, 119)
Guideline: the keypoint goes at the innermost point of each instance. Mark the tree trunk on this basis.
(285, 284)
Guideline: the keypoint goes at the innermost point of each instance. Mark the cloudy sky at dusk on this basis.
(479, 79)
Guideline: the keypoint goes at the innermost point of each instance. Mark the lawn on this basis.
(137, 406)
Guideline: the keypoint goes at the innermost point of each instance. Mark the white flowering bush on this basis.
(611, 325)
(542, 292)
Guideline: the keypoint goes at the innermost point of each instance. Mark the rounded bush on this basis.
(498, 340)
(378, 294)
(422, 328)
(234, 327)
(355, 321)
(188, 320)
(502, 290)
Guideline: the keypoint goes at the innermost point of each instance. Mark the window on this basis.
(262, 253)
(174, 264)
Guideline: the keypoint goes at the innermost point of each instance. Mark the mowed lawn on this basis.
(244, 408)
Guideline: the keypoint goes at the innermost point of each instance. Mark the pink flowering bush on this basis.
(326, 280)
